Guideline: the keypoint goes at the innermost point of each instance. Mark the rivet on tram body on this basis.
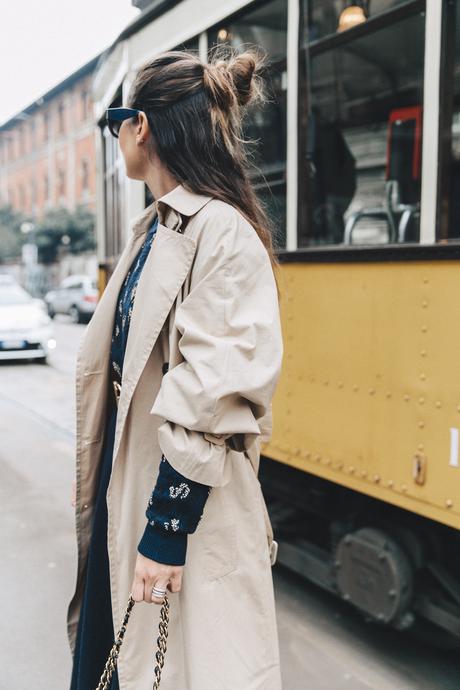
(351, 469)
(327, 461)
(458, 408)
(340, 384)
(438, 403)
(424, 329)
(339, 465)
(421, 400)
(355, 387)
(317, 457)
(421, 424)
(326, 382)
(296, 451)
(423, 353)
(420, 446)
(449, 503)
(376, 478)
(371, 391)
(390, 483)
(406, 397)
(425, 280)
(424, 304)
(388, 394)
(364, 474)
(404, 487)
(422, 377)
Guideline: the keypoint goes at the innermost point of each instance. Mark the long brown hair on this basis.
(195, 112)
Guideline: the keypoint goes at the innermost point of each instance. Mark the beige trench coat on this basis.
(206, 303)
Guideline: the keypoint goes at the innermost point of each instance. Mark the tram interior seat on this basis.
(403, 174)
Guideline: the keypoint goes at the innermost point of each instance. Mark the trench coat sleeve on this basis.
(231, 348)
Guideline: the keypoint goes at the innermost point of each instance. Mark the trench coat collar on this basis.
(180, 200)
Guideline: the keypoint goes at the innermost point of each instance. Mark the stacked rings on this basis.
(158, 592)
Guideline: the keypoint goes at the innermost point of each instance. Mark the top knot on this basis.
(230, 82)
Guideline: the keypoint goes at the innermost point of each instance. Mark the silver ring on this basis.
(158, 592)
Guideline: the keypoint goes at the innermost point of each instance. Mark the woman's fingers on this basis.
(137, 592)
(175, 582)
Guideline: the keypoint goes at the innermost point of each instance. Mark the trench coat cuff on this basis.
(163, 546)
(194, 455)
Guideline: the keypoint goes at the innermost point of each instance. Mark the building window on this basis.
(265, 26)
(46, 125)
(85, 104)
(61, 183)
(85, 175)
(360, 114)
(46, 187)
(22, 140)
(61, 117)
(32, 134)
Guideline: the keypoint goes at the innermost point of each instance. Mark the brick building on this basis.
(47, 151)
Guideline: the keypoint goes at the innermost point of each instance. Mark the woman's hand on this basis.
(149, 574)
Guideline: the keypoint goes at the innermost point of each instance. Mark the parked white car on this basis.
(26, 330)
(76, 296)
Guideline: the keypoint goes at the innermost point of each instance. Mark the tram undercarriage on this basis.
(397, 568)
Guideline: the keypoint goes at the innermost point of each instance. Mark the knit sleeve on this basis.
(174, 510)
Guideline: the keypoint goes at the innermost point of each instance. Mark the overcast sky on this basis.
(43, 41)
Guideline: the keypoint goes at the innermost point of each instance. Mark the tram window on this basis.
(265, 26)
(450, 126)
(114, 191)
(360, 125)
(328, 16)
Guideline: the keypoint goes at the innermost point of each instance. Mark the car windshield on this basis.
(14, 294)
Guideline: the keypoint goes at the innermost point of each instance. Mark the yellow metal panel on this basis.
(371, 380)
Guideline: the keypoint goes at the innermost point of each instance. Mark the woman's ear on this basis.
(142, 128)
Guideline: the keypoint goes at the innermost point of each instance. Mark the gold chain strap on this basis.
(104, 683)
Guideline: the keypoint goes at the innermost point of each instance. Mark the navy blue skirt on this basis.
(95, 635)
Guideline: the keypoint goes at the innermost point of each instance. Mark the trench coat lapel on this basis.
(167, 265)
(165, 270)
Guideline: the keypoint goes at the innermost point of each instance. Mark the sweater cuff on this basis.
(163, 546)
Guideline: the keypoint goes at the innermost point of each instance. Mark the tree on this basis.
(59, 223)
(11, 238)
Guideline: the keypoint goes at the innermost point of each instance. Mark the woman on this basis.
(196, 286)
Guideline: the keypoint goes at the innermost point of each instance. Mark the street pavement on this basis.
(325, 645)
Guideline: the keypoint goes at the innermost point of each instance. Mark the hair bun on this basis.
(233, 80)
(242, 68)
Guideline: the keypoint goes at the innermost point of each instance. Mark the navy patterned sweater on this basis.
(176, 503)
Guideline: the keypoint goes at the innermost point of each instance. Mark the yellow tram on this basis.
(359, 163)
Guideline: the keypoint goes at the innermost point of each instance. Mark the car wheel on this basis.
(74, 314)
(51, 313)
(42, 360)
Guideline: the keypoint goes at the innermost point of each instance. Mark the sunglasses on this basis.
(115, 116)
